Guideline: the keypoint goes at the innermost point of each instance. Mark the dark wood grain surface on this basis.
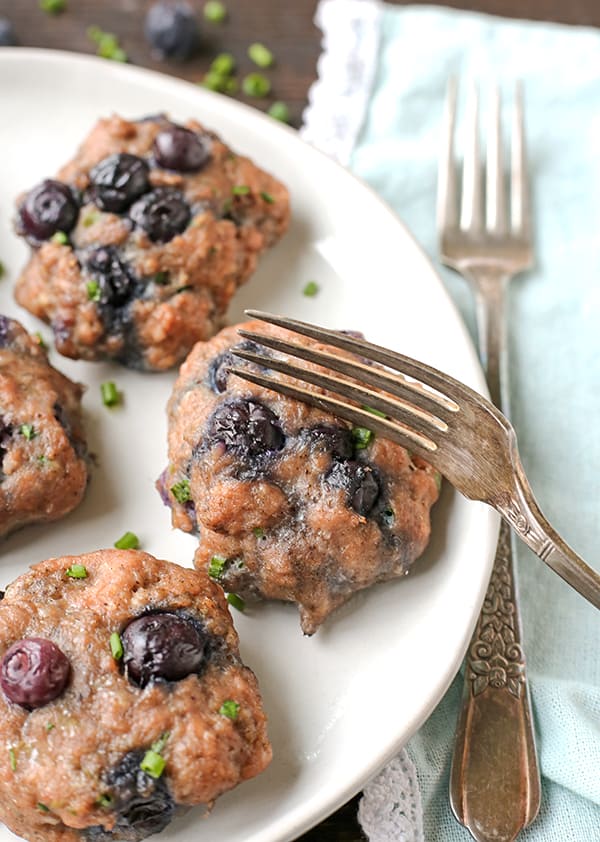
(287, 27)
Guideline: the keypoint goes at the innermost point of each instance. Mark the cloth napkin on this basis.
(378, 107)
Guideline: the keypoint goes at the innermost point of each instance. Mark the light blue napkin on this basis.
(555, 356)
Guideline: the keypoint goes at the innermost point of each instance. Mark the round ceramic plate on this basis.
(341, 703)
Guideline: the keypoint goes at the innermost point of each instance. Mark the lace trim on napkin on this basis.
(346, 70)
(390, 809)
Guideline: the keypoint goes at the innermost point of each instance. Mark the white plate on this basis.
(341, 703)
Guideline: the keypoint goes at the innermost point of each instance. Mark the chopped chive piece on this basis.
(438, 480)
(153, 764)
(27, 431)
(161, 278)
(214, 11)
(260, 55)
(13, 759)
(2, 269)
(279, 111)
(255, 84)
(43, 807)
(216, 566)
(259, 531)
(104, 800)
(266, 197)
(128, 541)
(361, 437)
(230, 709)
(53, 7)
(215, 82)
(223, 64)
(49, 726)
(60, 237)
(181, 491)
(40, 340)
(376, 412)
(77, 571)
(107, 44)
(93, 290)
(160, 744)
(240, 189)
(236, 601)
(311, 289)
(110, 394)
(231, 86)
(116, 647)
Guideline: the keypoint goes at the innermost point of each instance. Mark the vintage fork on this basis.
(495, 781)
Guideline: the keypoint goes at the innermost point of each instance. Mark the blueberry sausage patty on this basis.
(289, 502)
(143, 238)
(123, 699)
(43, 468)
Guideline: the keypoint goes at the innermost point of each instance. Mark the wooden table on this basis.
(287, 27)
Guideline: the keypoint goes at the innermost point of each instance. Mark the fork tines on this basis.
(408, 413)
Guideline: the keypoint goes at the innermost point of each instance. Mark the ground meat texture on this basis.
(143, 238)
(43, 463)
(287, 503)
(77, 767)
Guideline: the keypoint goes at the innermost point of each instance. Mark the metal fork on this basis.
(494, 782)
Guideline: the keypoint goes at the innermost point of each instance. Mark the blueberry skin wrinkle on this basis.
(247, 427)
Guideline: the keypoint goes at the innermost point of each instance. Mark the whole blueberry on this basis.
(336, 440)
(117, 181)
(178, 148)
(33, 672)
(7, 33)
(5, 331)
(143, 805)
(172, 30)
(247, 427)
(162, 647)
(358, 481)
(48, 208)
(162, 214)
(115, 278)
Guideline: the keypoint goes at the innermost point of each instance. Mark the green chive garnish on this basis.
(160, 744)
(260, 55)
(40, 340)
(60, 237)
(311, 289)
(236, 602)
(279, 111)
(53, 7)
(216, 566)
(223, 64)
(266, 197)
(77, 571)
(107, 44)
(214, 11)
(128, 541)
(230, 709)
(361, 437)
(104, 800)
(161, 278)
(116, 647)
(90, 218)
(13, 759)
(93, 290)
(181, 491)
(376, 412)
(153, 764)
(27, 431)
(49, 726)
(259, 531)
(240, 189)
(43, 807)
(255, 84)
(2, 269)
(438, 480)
(110, 394)
(215, 82)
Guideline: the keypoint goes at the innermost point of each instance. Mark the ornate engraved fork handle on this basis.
(495, 785)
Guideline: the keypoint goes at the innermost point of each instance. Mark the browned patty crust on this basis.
(290, 502)
(143, 238)
(43, 469)
(77, 766)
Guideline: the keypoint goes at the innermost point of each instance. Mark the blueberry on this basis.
(177, 148)
(5, 331)
(117, 284)
(247, 427)
(117, 181)
(7, 33)
(336, 440)
(358, 481)
(162, 647)
(33, 672)
(142, 804)
(162, 214)
(172, 30)
(217, 370)
(48, 208)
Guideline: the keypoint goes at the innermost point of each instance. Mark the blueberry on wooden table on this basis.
(48, 208)
(178, 148)
(172, 30)
(117, 181)
(33, 672)
(162, 647)
(7, 33)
